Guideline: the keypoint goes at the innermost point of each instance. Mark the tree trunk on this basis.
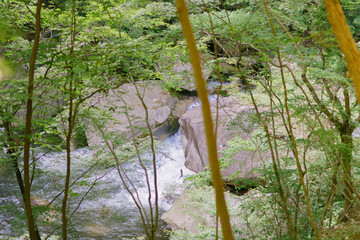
(14, 159)
(346, 157)
(33, 232)
(209, 130)
(346, 41)
(71, 122)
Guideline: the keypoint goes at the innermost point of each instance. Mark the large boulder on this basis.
(95, 229)
(234, 120)
(120, 105)
(190, 210)
(195, 209)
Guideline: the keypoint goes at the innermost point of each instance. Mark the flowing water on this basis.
(108, 211)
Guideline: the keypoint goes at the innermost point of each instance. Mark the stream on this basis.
(108, 211)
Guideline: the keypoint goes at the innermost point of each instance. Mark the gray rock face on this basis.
(124, 104)
(194, 139)
(188, 213)
(182, 72)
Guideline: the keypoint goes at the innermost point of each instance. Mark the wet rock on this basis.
(124, 102)
(49, 215)
(38, 201)
(235, 120)
(96, 229)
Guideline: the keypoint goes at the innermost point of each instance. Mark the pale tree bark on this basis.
(349, 48)
(209, 130)
(346, 41)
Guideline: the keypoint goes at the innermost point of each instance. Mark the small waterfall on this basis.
(197, 102)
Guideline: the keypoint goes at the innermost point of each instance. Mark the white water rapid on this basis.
(108, 211)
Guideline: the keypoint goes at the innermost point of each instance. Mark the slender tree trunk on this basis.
(155, 219)
(14, 159)
(10, 150)
(67, 178)
(71, 122)
(288, 121)
(211, 141)
(346, 157)
(34, 234)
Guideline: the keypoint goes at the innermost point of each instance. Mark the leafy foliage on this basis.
(120, 41)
